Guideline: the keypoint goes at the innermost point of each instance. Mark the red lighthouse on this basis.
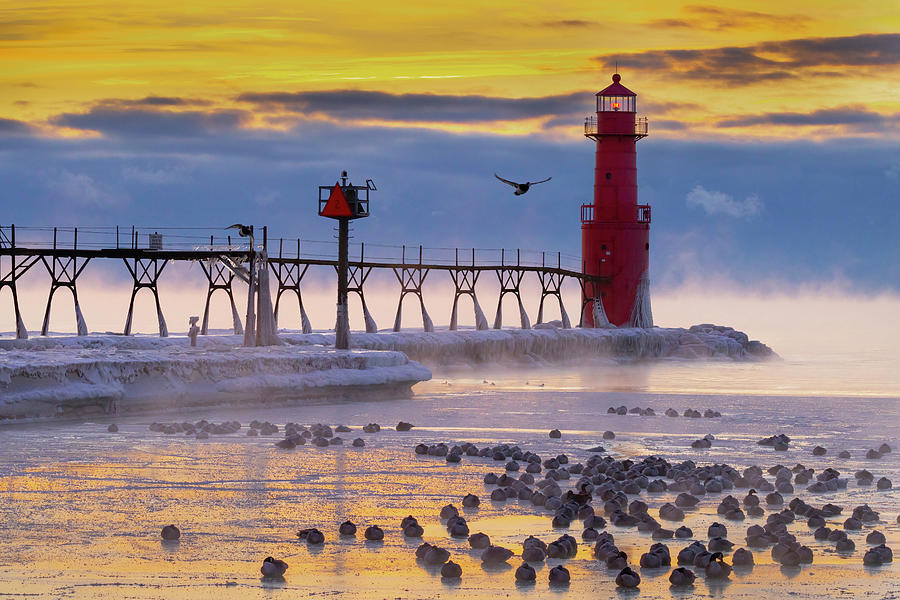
(615, 229)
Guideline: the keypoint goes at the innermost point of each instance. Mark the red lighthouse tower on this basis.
(615, 229)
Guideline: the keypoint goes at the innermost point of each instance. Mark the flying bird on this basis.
(521, 188)
(243, 230)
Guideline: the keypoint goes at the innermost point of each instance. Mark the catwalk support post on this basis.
(18, 266)
(250, 325)
(289, 274)
(342, 325)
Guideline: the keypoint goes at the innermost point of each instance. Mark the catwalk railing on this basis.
(66, 251)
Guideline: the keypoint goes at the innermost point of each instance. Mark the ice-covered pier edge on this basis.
(106, 374)
(68, 376)
(549, 343)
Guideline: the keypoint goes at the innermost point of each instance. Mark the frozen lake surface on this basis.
(81, 509)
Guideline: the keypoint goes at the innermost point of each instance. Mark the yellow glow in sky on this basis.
(693, 65)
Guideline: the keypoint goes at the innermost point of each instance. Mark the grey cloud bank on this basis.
(768, 61)
(357, 104)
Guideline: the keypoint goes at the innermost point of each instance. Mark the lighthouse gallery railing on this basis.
(641, 128)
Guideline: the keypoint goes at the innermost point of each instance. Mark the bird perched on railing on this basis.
(243, 230)
(521, 188)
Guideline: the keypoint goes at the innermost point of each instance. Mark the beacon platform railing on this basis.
(587, 213)
(641, 128)
(643, 213)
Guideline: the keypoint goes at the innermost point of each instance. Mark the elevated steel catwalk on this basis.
(65, 256)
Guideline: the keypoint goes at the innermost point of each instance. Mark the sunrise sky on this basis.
(747, 69)
(774, 125)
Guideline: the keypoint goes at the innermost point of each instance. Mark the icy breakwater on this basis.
(58, 377)
(550, 344)
(67, 376)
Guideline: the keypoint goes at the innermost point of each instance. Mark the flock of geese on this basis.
(612, 482)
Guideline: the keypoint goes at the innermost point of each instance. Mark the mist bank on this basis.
(803, 321)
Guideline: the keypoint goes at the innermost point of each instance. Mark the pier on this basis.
(65, 252)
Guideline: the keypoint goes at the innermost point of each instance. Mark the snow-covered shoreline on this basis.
(68, 376)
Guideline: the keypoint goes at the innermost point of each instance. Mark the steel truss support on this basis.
(356, 277)
(145, 272)
(411, 278)
(64, 272)
(510, 283)
(15, 268)
(289, 276)
(551, 285)
(220, 277)
(464, 281)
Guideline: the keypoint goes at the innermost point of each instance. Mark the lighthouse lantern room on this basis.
(615, 229)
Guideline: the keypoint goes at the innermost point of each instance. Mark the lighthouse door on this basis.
(606, 260)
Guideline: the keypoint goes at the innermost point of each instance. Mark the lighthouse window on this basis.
(615, 103)
(646, 246)
(609, 175)
(603, 247)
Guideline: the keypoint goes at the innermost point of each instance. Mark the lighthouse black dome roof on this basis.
(616, 89)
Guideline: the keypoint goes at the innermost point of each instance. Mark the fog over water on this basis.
(832, 341)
